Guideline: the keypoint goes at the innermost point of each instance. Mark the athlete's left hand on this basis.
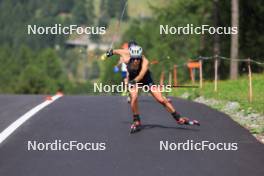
(132, 82)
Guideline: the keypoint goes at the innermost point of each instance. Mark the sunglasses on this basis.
(133, 59)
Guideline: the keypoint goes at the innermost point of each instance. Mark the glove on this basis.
(116, 69)
(109, 53)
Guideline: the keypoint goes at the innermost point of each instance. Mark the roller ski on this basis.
(186, 121)
(135, 127)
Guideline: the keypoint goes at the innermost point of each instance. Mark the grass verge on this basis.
(232, 98)
(231, 90)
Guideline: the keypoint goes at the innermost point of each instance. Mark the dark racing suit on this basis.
(133, 73)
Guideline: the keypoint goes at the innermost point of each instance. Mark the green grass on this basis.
(232, 90)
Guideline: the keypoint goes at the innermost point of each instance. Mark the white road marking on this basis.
(11, 128)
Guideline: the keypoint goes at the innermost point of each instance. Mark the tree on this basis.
(216, 24)
(50, 64)
(33, 81)
(115, 9)
(83, 12)
(234, 40)
(89, 5)
(95, 70)
(178, 47)
(104, 15)
(65, 5)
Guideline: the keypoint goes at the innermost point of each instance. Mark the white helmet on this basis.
(135, 51)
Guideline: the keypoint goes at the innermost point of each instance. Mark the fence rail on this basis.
(198, 64)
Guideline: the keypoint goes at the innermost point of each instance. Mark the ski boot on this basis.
(135, 127)
(186, 121)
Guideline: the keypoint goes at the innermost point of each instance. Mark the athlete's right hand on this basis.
(109, 53)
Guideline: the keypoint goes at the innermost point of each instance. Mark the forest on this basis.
(34, 64)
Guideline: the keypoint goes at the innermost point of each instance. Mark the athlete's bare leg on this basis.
(136, 125)
(134, 100)
(156, 93)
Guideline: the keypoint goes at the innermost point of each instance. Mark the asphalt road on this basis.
(106, 119)
(13, 106)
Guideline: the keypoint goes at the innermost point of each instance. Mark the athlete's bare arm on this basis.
(121, 52)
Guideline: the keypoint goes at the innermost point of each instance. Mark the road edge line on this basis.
(22, 119)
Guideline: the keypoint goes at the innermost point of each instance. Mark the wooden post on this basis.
(216, 73)
(192, 75)
(162, 78)
(250, 89)
(170, 79)
(175, 80)
(201, 73)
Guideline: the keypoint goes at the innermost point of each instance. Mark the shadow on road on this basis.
(153, 126)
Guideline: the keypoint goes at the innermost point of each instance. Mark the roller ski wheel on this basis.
(135, 127)
(195, 122)
(186, 121)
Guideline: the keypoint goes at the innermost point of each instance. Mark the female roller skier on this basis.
(138, 72)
